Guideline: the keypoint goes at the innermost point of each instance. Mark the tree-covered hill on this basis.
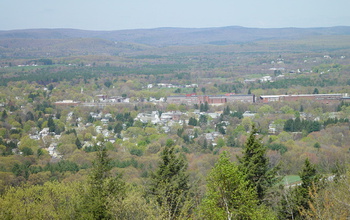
(179, 36)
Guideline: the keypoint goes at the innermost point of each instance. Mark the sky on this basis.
(145, 14)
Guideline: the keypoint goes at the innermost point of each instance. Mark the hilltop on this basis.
(179, 36)
(33, 43)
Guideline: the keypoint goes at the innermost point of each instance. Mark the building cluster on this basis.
(266, 78)
(106, 98)
(322, 98)
(156, 118)
(166, 120)
(67, 103)
(191, 99)
(169, 85)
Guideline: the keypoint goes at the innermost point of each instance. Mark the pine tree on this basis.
(230, 195)
(169, 184)
(4, 115)
(102, 188)
(51, 124)
(78, 143)
(255, 165)
(226, 111)
(118, 128)
(298, 198)
(206, 106)
(203, 120)
(192, 121)
(308, 175)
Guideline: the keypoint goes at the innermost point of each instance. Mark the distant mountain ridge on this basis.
(179, 36)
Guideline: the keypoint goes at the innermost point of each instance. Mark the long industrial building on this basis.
(323, 98)
(192, 99)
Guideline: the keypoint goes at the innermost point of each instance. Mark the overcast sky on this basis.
(135, 14)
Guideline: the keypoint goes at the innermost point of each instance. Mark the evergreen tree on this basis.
(78, 143)
(51, 124)
(206, 106)
(298, 198)
(205, 144)
(27, 151)
(169, 184)
(226, 111)
(4, 115)
(40, 152)
(301, 108)
(203, 120)
(308, 175)
(103, 188)
(90, 119)
(29, 116)
(297, 124)
(118, 128)
(192, 121)
(317, 145)
(201, 108)
(50, 87)
(231, 142)
(230, 195)
(255, 165)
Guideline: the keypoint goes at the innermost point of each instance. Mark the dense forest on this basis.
(87, 131)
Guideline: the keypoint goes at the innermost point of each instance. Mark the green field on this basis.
(291, 179)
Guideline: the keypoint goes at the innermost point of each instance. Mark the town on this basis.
(100, 128)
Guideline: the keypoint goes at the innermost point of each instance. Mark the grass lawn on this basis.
(291, 179)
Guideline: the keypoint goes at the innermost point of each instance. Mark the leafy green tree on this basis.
(53, 200)
(169, 184)
(230, 195)
(330, 201)
(255, 165)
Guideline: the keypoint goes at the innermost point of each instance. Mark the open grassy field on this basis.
(291, 179)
